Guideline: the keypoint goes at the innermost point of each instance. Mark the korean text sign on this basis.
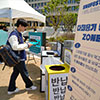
(84, 76)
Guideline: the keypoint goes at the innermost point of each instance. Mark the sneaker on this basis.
(12, 92)
(32, 88)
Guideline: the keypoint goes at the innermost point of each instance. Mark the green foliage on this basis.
(52, 39)
(61, 39)
(70, 20)
(54, 11)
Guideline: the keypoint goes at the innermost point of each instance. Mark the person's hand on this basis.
(29, 45)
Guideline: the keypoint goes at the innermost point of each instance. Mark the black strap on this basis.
(4, 67)
(18, 35)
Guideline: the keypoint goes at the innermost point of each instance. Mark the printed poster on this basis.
(58, 86)
(84, 77)
(67, 56)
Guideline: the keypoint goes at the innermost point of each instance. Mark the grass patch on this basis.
(68, 36)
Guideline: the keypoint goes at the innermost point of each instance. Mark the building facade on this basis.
(39, 4)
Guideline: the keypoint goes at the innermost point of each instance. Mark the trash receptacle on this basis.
(44, 55)
(67, 56)
(69, 44)
(67, 50)
(44, 58)
(56, 77)
(39, 38)
(53, 45)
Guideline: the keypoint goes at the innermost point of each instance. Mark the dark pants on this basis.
(19, 68)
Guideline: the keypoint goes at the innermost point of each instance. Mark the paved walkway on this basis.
(34, 72)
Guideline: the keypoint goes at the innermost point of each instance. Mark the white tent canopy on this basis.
(13, 9)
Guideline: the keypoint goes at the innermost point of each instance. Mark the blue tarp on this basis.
(3, 37)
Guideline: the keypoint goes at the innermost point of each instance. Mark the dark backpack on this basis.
(8, 56)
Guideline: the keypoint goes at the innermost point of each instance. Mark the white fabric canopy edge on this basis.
(20, 10)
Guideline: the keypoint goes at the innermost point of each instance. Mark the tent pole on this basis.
(10, 24)
(45, 24)
(10, 19)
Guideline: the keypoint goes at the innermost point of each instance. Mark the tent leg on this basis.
(10, 19)
(10, 24)
(45, 24)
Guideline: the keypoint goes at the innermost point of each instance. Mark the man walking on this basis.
(19, 48)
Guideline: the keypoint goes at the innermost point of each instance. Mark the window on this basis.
(35, 5)
(73, 1)
(73, 8)
(32, 5)
(45, 3)
(45, 11)
(41, 4)
(69, 1)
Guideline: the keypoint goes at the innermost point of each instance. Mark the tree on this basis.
(69, 21)
(54, 11)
